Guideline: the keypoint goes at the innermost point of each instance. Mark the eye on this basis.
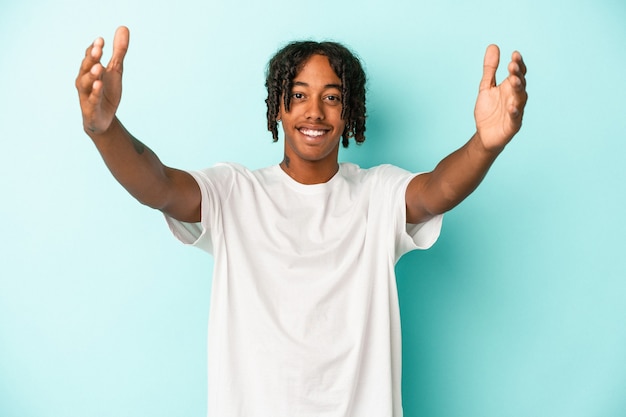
(333, 99)
(297, 96)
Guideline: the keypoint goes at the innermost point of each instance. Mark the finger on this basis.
(90, 67)
(490, 65)
(93, 54)
(120, 46)
(85, 81)
(96, 49)
(516, 77)
(517, 57)
(517, 71)
(516, 109)
(520, 66)
(518, 102)
(95, 96)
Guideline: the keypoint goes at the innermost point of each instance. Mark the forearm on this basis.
(457, 176)
(498, 114)
(133, 164)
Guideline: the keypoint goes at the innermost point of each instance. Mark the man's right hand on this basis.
(100, 88)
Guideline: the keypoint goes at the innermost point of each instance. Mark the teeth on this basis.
(311, 132)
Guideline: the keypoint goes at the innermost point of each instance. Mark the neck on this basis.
(309, 173)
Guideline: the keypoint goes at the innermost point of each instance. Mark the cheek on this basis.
(341, 124)
(336, 114)
(281, 111)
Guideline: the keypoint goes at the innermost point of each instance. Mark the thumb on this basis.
(120, 46)
(490, 65)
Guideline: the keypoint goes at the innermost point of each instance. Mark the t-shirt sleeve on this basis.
(215, 184)
(408, 236)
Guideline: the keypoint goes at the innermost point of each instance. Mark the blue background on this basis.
(518, 310)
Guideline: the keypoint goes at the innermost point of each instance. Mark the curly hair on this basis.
(289, 60)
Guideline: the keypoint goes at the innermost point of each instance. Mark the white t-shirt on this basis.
(304, 317)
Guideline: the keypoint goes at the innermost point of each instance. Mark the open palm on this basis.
(100, 88)
(499, 108)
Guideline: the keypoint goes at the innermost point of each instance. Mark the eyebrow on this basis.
(303, 84)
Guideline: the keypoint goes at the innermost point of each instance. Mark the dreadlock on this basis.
(286, 64)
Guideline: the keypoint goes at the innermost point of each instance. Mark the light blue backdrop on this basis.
(519, 309)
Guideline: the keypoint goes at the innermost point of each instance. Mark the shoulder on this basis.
(383, 173)
(220, 179)
(229, 175)
(224, 168)
(220, 172)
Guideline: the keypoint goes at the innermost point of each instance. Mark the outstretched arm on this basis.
(498, 115)
(134, 165)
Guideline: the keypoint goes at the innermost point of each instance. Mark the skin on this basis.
(313, 126)
(133, 164)
(498, 114)
(309, 157)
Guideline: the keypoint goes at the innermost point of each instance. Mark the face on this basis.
(313, 125)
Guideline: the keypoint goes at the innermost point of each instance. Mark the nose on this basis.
(315, 110)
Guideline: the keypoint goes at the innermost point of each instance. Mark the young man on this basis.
(304, 314)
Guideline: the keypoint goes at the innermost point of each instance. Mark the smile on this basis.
(312, 132)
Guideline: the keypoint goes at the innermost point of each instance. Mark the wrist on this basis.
(483, 149)
(486, 146)
(95, 132)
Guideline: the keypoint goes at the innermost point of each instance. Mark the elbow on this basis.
(154, 202)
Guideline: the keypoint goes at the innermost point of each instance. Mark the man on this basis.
(304, 314)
